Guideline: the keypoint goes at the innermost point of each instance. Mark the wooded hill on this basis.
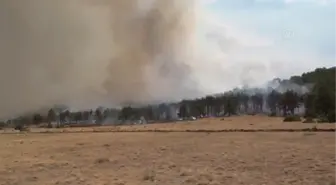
(313, 91)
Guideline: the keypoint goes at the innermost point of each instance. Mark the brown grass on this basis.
(169, 158)
(209, 124)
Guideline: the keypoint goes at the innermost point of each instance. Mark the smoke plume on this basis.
(85, 53)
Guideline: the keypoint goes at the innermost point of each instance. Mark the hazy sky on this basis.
(296, 33)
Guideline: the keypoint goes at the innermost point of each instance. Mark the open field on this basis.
(171, 158)
(208, 124)
(167, 158)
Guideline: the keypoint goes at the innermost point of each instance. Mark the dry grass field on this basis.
(209, 124)
(172, 158)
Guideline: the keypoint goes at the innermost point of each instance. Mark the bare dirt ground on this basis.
(169, 158)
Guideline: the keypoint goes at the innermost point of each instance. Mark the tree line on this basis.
(311, 94)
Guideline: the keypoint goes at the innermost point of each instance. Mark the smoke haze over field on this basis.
(94, 52)
(86, 53)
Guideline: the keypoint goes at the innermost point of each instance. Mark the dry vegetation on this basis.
(171, 158)
(209, 124)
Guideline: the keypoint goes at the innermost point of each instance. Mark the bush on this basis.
(60, 126)
(332, 117)
(2, 125)
(20, 127)
(308, 120)
(273, 114)
(49, 125)
(322, 120)
(84, 125)
(292, 119)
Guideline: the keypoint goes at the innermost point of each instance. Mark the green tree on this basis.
(230, 104)
(309, 100)
(126, 113)
(324, 101)
(37, 119)
(183, 112)
(273, 99)
(210, 102)
(86, 115)
(78, 116)
(106, 113)
(51, 116)
(99, 116)
(289, 101)
(244, 98)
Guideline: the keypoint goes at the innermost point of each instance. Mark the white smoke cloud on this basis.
(85, 53)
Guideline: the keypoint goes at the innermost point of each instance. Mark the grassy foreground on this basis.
(177, 158)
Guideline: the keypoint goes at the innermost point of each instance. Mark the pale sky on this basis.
(288, 36)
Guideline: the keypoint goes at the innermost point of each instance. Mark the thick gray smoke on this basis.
(85, 53)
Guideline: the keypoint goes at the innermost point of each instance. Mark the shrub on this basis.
(332, 117)
(273, 114)
(102, 160)
(59, 126)
(322, 120)
(308, 120)
(20, 127)
(292, 119)
(2, 125)
(149, 176)
(49, 125)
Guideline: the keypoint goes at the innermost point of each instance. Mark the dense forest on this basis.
(311, 95)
